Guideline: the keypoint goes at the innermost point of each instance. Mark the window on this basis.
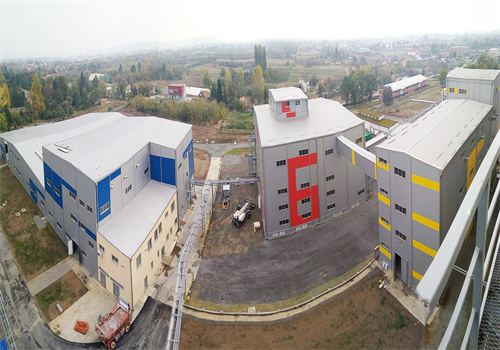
(73, 218)
(101, 249)
(72, 195)
(330, 193)
(328, 151)
(82, 203)
(306, 200)
(103, 279)
(283, 207)
(384, 220)
(84, 254)
(382, 160)
(146, 282)
(330, 177)
(303, 152)
(59, 225)
(146, 170)
(48, 182)
(304, 185)
(462, 91)
(114, 259)
(401, 235)
(384, 191)
(42, 203)
(150, 245)
(166, 214)
(156, 234)
(175, 221)
(473, 141)
(172, 207)
(50, 214)
(56, 190)
(127, 190)
(67, 236)
(116, 290)
(330, 206)
(359, 140)
(360, 192)
(401, 209)
(152, 262)
(91, 245)
(162, 251)
(462, 189)
(159, 229)
(306, 215)
(180, 164)
(282, 191)
(281, 162)
(385, 246)
(284, 222)
(89, 209)
(104, 208)
(400, 172)
(297, 103)
(138, 262)
(471, 172)
(287, 103)
(462, 155)
(83, 226)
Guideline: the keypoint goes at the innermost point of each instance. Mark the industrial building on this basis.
(303, 178)
(405, 86)
(424, 171)
(480, 85)
(108, 184)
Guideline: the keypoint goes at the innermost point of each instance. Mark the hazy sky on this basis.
(66, 28)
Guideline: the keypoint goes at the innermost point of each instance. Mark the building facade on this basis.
(424, 171)
(176, 92)
(405, 86)
(303, 178)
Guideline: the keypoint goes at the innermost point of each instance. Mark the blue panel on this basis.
(91, 234)
(41, 194)
(69, 187)
(3, 345)
(115, 174)
(47, 174)
(3, 152)
(168, 171)
(103, 197)
(155, 167)
(33, 191)
(57, 183)
(189, 150)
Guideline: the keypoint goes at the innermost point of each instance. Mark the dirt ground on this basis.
(201, 164)
(224, 237)
(364, 317)
(65, 292)
(35, 250)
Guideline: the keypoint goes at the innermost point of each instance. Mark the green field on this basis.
(238, 121)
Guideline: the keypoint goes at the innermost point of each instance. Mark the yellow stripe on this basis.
(425, 221)
(383, 223)
(385, 252)
(417, 275)
(353, 157)
(422, 181)
(375, 166)
(480, 144)
(471, 166)
(384, 199)
(424, 248)
(383, 166)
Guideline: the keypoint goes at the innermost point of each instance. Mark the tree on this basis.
(4, 104)
(264, 60)
(139, 66)
(222, 72)
(229, 87)
(37, 105)
(484, 62)
(258, 83)
(442, 76)
(241, 80)
(132, 68)
(387, 95)
(219, 95)
(82, 83)
(120, 70)
(163, 70)
(207, 81)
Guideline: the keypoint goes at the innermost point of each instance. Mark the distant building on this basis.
(304, 85)
(177, 92)
(405, 86)
(99, 76)
(195, 92)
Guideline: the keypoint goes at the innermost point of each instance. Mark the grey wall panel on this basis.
(117, 191)
(138, 172)
(145, 165)
(127, 175)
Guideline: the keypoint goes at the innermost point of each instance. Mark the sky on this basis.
(68, 28)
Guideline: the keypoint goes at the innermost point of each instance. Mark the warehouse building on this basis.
(424, 172)
(405, 86)
(482, 85)
(91, 177)
(303, 177)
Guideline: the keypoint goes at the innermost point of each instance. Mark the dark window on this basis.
(328, 151)
(42, 203)
(384, 191)
(360, 192)
(104, 208)
(50, 214)
(330, 206)
(83, 226)
(284, 222)
(84, 254)
(283, 207)
(82, 203)
(306, 215)
(359, 140)
(282, 191)
(287, 103)
(114, 259)
(471, 172)
(89, 209)
(400, 172)
(462, 188)
(401, 209)
(72, 195)
(146, 170)
(303, 152)
(59, 225)
(297, 103)
(73, 218)
(306, 200)
(330, 177)
(401, 235)
(382, 160)
(91, 245)
(48, 182)
(127, 190)
(384, 220)
(331, 192)
(304, 185)
(281, 162)
(56, 191)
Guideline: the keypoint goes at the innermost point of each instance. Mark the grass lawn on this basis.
(237, 151)
(238, 121)
(65, 292)
(384, 122)
(35, 250)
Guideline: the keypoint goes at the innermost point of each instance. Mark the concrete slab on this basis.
(42, 281)
(40, 222)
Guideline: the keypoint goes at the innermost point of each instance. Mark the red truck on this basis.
(114, 324)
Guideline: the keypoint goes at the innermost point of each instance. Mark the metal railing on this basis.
(434, 282)
(7, 329)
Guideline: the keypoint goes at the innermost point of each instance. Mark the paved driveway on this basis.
(286, 267)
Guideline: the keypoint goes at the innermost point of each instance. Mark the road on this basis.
(149, 330)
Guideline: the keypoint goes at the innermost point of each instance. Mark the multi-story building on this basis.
(177, 92)
(303, 178)
(480, 85)
(424, 171)
(92, 174)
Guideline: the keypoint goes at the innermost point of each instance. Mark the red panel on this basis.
(284, 108)
(297, 195)
(290, 115)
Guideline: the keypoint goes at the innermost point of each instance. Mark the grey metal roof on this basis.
(404, 83)
(438, 134)
(479, 74)
(129, 228)
(326, 117)
(29, 139)
(287, 93)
